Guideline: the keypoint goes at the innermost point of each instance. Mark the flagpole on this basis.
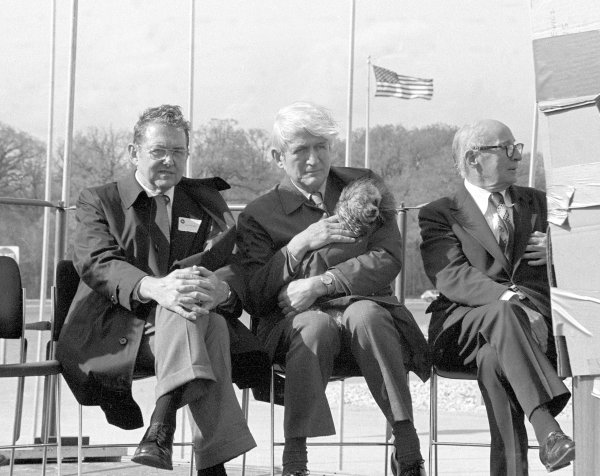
(350, 83)
(368, 115)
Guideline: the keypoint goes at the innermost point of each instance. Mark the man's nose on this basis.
(168, 159)
(313, 155)
(517, 156)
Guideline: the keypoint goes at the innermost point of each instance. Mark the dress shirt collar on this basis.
(482, 196)
(308, 194)
(169, 193)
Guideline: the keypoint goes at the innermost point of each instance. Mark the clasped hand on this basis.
(536, 251)
(189, 292)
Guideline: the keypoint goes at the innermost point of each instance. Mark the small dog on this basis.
(363, 202)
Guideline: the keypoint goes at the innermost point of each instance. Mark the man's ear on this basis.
(471, 157)
(133, 151)
(277, 157)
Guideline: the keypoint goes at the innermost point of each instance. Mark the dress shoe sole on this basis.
(562, 462)
(153, 461)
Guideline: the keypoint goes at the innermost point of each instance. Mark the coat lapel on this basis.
(181, 240)
(469, 216)
(523, 219)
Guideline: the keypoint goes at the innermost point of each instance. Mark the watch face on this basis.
(326, 279)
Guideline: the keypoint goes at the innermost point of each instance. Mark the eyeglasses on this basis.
(509, 149)
(159, 153)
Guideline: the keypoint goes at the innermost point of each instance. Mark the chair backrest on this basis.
(67, 281)
(11, 299)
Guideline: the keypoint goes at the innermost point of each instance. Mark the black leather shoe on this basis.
(216, 470)
(415, 469)
(156, 447)
(557, 451)
(298, 472)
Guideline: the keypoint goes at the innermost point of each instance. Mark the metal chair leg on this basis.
(272, 402)
(17, 421)
(245, 411)
(56, 379)
(433, 426)
(79, 440)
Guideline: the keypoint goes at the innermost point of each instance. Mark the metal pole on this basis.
(47, 197)
(341, 425)
(350, 82)
(189, 166)
(60, 226)
(368, 116)
(533, 145)
(401, 279)
(66, 183)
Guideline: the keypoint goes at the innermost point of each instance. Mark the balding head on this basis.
(481, 154)
(471, 136)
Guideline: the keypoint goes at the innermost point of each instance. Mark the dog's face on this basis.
(361, 204)
(364, 200)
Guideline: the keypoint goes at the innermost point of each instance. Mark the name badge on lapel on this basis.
(191, 225)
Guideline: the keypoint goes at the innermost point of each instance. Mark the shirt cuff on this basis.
(506, 295)
(293, 262)
(136, 292)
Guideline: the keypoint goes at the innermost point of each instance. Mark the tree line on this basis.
(416, 164)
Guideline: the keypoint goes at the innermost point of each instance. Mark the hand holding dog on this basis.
(325, 231)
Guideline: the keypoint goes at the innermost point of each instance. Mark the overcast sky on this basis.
(255, 56)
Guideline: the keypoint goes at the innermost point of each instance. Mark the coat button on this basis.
(123, 340)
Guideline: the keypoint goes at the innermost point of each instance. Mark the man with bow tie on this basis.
(484, 250)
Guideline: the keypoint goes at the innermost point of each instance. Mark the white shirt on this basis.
(482, 199)
(151, 193)
(308, 194)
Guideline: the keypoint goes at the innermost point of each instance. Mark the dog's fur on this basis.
(363, 202)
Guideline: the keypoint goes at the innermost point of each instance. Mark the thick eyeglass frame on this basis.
(159, 153)
(509, 149)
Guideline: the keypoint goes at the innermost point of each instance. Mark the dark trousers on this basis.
(196, 357)
(308, 345)
(514, 375)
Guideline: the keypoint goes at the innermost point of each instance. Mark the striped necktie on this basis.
(505, 226)
(318, 201)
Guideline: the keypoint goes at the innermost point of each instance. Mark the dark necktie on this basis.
(158, 258)
(505, 226)
(162, 216)
(318, 201)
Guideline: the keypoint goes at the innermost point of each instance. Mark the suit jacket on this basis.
(465, 263)
(101, 335)
(364, 270)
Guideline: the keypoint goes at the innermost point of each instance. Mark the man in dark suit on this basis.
(276, 232)
(484, 249)
(153, 292)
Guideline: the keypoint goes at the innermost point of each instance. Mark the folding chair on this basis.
(341, 371)
(450, 373)
(12, 326)
(67, 281)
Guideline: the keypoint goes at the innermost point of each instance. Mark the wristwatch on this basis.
(328, 281)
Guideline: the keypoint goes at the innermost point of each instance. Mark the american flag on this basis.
(405, 87)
